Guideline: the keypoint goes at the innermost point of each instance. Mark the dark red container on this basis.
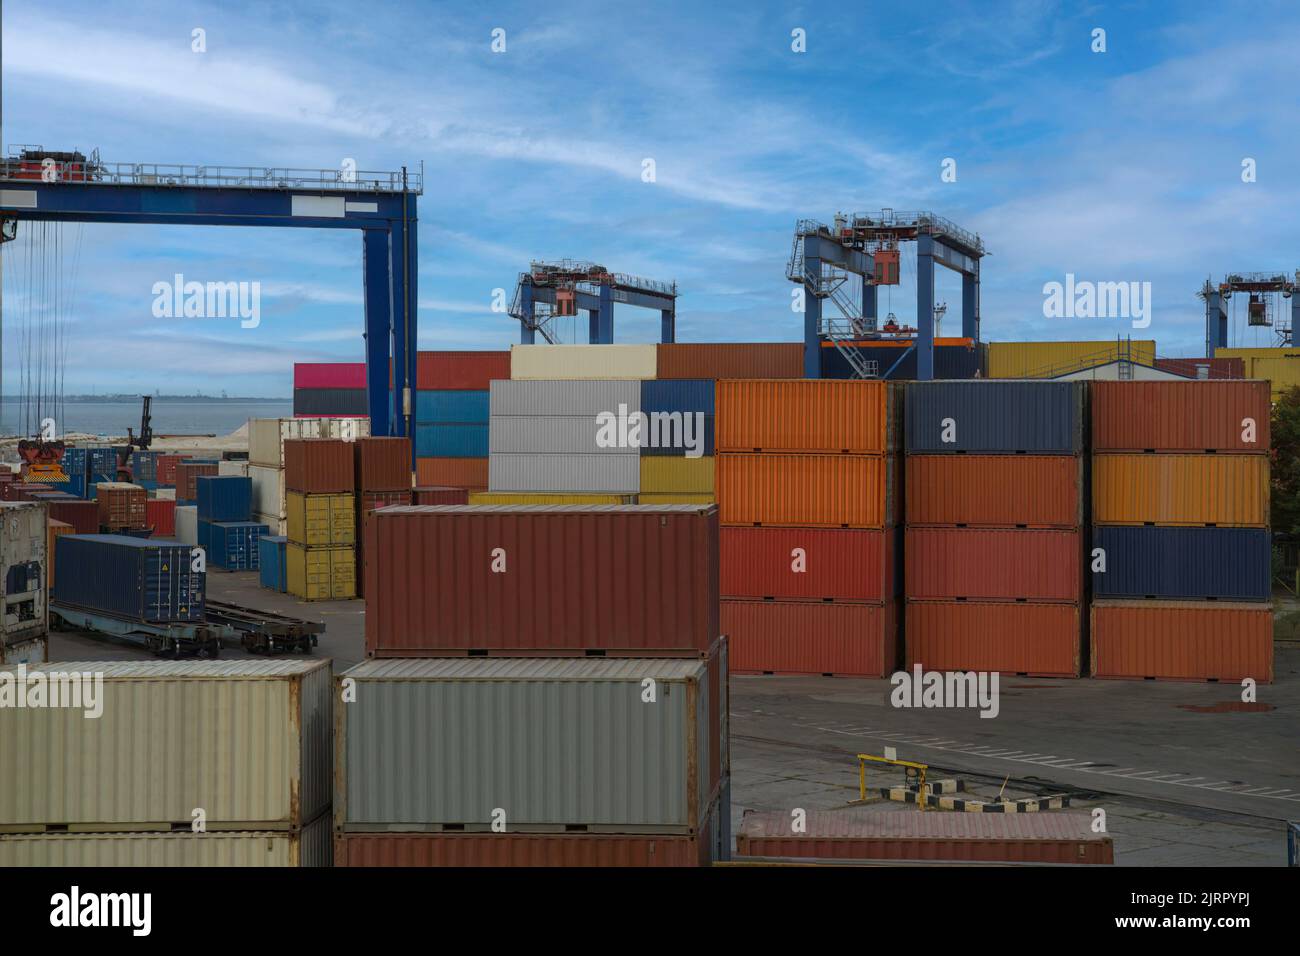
(318, 466)
(811, 637)
(186, 473)
(167, 468)
(160, 514)
(367, 502)
(19, 490)
(440, 495)
(730, 360)
(994, 565)
(460, 370)
(329, 375)
(625, 579)
(845, 565)
(382, 464)
(83, 515)
(1181, 416)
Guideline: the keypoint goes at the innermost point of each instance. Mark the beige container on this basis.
(238, 469)
(276, 525)
(23, 595)
(582, 361)
(187, 524)
(266, 435)
(267, 490)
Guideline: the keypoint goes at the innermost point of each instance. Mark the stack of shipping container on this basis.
(382, 478)
(329, 389)
(994, 510)
(321, 522)
(450, 407)
(1181, 551)
(809, 507)
(226, 530)
(266, 438)
(23, 583)
(677, 446)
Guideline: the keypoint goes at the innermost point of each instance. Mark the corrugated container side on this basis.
(664, 475)
(318, 466)
(995, 490)
(605, 474)
(673, 498)
(524, 498)
(806, 490)
(140, 579)
(1181, 489)
(224, 497)
(730, 360)
(267, 490)
(555, 434)
(321, 573)
(382, 464)
(187, 474)
(583, 361)
(1044, 359)
(121, 505)
(810, 563)
(1182, 641)
(187, 524)
(322, 402)
(160, 514)
(1228, 563)
(1040, 640)
(271, 562)
(807, 416)
(329, 375)
(1203, 368)
(678, 395)
(460, 369)
(24, 538)
(82, 515)
(231, 545)
(580, 398)
(446, 406)
(471, 473)
(434, 495)
(996, 417)
(1181, 416)
(451, 441)
(981, 564)
(807, 637)
(53, 530)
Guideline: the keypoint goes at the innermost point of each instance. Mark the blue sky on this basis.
(1115, 166)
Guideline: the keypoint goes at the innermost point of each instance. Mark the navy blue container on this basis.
(140, 579)
(92, 482)
(330, 401)
(440, 407)
(451, 441)
(1158, 562)
(272, 562)
(950, 362)
(74, 462)
(76, 486)
(678, 395)
(101, 461)
(144, 466)
(232, 545)
(224, 497)
(995, 417)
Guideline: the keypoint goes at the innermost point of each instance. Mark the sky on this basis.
(1122, 165)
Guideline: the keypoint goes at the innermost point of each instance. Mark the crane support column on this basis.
(1295, 315)
(403, 330)
(593, 326)
(667, 326)
(1216, 322)
(970, 302)
(812, 320)
(527, 333)
(869, 313)
(376, 258)
(606, 316)
(925, 308)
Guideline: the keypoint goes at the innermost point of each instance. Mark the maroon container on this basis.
(186, 473)
(440, 495)
(460, 370)
(985, 564)
(83, 515)
(318, 466)
(521, 849)
(368, 501)
(167, 468)
(382, 464)
(624, 579)
(20, 490)
(730, 360)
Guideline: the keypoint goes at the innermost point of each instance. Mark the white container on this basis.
(276, 525)
(165, 494)
(187, 524)
(266, 435)
(611, 474)
(549, 397)
(583, 361)
(33, 651)
(536, 434)
(238, 469)
(268, 490)
(22, 571)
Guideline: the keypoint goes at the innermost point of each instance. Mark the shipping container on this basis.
(1037, 640)
(247, 741)
(275, 525)
(1279, 367)
(677, 475)
(329, 375)
(729, 360)
(579, 399)
(231, 545)
(905, 835)
(850, 491)
(187, 524)
(451, 441)
(272, 572)
(583, 361)
(266, 436)
(678, 395)
(421, 744)
(224, 498)
(19, 490)
(606, 474)
(140, 579)
(674, 498)
(1180, 416)
(365, 504)
(1049, 359)
(460, 370)
(523, 498)
(24, 538)
(307, 847)
(166, 467)
(160, 514)
(33, 650)
(330, 401)
(382, 464)
(577, 578)
(1204, 368)
(121, 506)
(1181, 489)
(82, 515)
(897, 363)
(995, 417)
(53, 530)
(944, 564)
(237, 468)
(321, 520)
(187, 474)
(319, 466)
(559, 434)
(446, 407)
(995, 491)
(677, 434)
(437, 495)
(808, 416)
(1157, 562)
(811, 637)
(321, 574)
(144, 465)
(471, 473)
(267, 490)
(809, 563)
(1193, 641)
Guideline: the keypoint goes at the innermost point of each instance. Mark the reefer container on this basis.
(606, 474)
(139, 579)
(447, 407)
(471, 473)
(330, 401)
(247, 741)
(1039, 640)
(585, 399)
(187, 474)
(316, 520)
(29, 651)
(542, 579)
(1157, 562)
(231, 545)
(1043, 418)
(121, 505)
(850, 491)
(318, 466)
(582, 361)
(730, 360)
(944, 564)
(810, 563)
(421, 743)
(267, 490)
(272, 572)
(294, 848)
(1046, 359)
(187, 524)
(160, 514)
(53, 530)
(1173, 640)
(1180, 416)
(811, 637)
(677, 475)
(451, 441)
(224, 497)
(1181, 490)
(897, 835)
(557, 434)
(266, 436)
(436, 495)
(800, 415)
(329, 375)
(321, 574)
(460, 370)
(234, 467)
(524, 498)
(995, 491)
(23, 544)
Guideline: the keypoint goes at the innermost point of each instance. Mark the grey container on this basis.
(601, 474)
(555, 743)
(571, 435)
(995, 417)
(576, 398)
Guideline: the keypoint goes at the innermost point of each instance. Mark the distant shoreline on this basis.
(191, 399)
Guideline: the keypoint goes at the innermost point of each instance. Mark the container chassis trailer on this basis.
(174, 638)
(265, 632)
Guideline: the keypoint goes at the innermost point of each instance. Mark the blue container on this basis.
(451, 441)
(75, 463)
(675, 436)
(140, 579)
(92, 481)
(995, 417)
(224, 497)
(1157, 562)
(144, 466)
(678, 395)
(102, 461)
(76, 486)
(272, 557)
(231, 545)
(439, 407)
(899, 364)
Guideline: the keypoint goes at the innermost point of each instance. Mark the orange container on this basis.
(1193, 490)
(318, 466)
(1037, 640)
(1182, 640)
(807, 415)
(52, 530)
(821, 491)
(1181, 416)
(980, 564)
(729, 360)
(121, 506)
(810, 637)
(471, 473)
(995, 491)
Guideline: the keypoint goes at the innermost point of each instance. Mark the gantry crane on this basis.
(1263, 309)
(564, 286)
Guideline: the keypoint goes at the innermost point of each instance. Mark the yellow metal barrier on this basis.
(920, 768)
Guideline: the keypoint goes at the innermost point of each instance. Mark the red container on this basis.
(167, 468)
(995, 491)
(318, 466)
(469, 473)
(730, 360)
(1180, 416)
(186, 473)
(460, 370)
(19, 490)
(944, 564)
(932, 837)
(160, 514)
(617, 578)
(807, 637)
(121, 506)
(438, 495)
(843, 565)
(1214, 368)
(382, 464)
(83, 515)
(367, 502)
(329, 375)
(1182, 640)
(1037, 640)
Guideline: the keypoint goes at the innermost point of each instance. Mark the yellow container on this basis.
(523, 498)
(320, 520)
(1193, 490)
(675, 498)
(1046, 359)
(671, 474)
(321, 574)
(1281, 367)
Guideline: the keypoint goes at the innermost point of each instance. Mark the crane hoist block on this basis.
(566, 302)
(886, 267)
